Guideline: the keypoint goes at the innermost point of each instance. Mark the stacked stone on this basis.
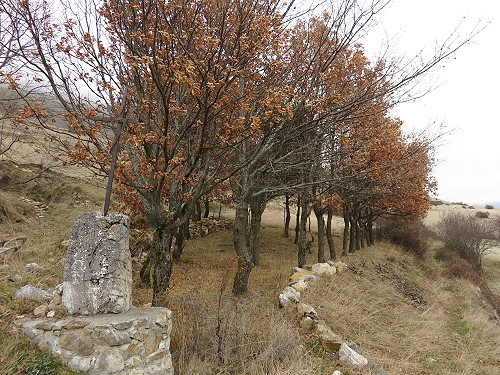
(132, 343)
(107, 337)
(209, 225)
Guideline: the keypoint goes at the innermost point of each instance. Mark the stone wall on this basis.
(132, 343)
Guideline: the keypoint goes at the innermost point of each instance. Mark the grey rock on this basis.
(108, 362)
(33, 293)
(111, 337)
(289, 295)
(382, 372)
(98, 268)
(304, 310)
(357, 349)
(81, 364)
(349, 357)
(33, 267)
(78, 341)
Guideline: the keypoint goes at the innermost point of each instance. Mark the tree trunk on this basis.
(161, 267)
(329, 234)
(302, 241)
(362, 234)
(257, 208)
(207, 208)
(145, 273)
(197, 211)
(371, 239)
(297, 222)
(287, 215)
(353, 223)
(345, 242)
(242, 248)
(321, 233)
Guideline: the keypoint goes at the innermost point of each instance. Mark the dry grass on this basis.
(446, 333)
(408, 316)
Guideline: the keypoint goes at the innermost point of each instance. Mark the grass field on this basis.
(410, 316)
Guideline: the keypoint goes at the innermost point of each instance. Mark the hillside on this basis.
(409, 316)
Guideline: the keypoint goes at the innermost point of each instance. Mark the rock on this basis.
(81, 364)
(78, 341)
(382, 372)
(33, 267)
(300, 275)
(357, 349)
(288, 296)
(98, 268)
(51, 314)
(299, 286)
(341, 267)
(111, 337)
(307, 324)
(336, 372)
(109, 361)
(40, 310)
(323, 269)
(33, 293)
(329, 339)
(75, 324)
(305, 310)
(349, 357)
(311, 278)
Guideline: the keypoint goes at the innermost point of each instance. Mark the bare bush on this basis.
(410, 235)
(230, 337)
(489, 207)
(482, 215)
(468, 235)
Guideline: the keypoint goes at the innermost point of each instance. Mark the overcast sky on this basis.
(467, 97)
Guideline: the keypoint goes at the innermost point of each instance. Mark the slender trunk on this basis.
(242, 248)
(207, 208)
(371, 238)
(353, 228)
(321, 233)
(297, 222)
(197, 211)
(345, 242)
(362, 234)
(257, 208)
(180, 237)
(187, 232)
(329, 234)
(287, 215)
(178, 246)
(145, 273)
(302, 241)
(161, 267)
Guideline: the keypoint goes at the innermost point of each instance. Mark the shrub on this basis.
(467, 235)
(412, 236)
(482, 215)
(489, 207)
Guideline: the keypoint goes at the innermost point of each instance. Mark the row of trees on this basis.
(237, 100)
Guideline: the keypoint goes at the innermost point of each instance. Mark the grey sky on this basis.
(467, 95)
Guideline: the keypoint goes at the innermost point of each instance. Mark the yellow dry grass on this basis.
(407, 316)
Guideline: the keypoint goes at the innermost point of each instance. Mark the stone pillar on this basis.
(98, 268)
